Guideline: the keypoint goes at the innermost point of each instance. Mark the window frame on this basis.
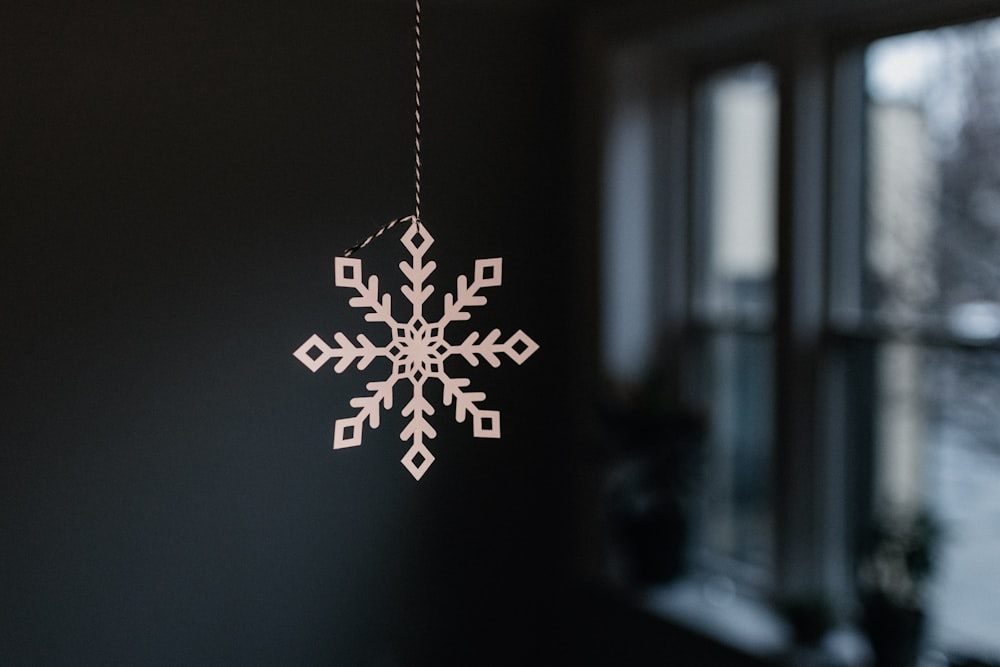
(823, 475)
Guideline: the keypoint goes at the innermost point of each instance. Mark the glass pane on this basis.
(737, 518)
(933, 234)
(932, 257)
(938, 437)
(739, 191)
(627, 326)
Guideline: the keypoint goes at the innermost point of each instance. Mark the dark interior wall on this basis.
(175, 182)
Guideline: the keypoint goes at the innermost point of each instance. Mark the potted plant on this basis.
(810, 616)
(659, 460)
(898, 559)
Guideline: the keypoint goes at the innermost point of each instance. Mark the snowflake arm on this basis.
(417, 407)
(485, 423)
(347, 432)
(348, 274)
(417, 429)
(315, 352)
(488, 274)
(518, 347)
(417, 272)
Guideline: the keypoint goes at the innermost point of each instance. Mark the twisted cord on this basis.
(379, 232)
(415, 218)
(416, 116)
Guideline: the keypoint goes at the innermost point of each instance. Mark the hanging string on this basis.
(416, 116)
(415, 217)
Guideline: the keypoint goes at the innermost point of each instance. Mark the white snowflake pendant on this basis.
(417, 350)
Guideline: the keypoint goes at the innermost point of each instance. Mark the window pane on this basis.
(738, 191)
(737, 519)
(939, 449)
(933, 235)
(627, 327)
(932, 258)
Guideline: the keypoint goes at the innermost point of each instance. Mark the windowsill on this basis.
(726, 617)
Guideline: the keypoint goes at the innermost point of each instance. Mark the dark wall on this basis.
(174, 185)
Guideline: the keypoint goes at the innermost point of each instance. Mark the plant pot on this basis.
(895, 632)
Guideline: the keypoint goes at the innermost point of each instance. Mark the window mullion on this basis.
(798, 469)
(850, 377)
(671, 233)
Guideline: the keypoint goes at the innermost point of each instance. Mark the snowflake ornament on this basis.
(417, 350)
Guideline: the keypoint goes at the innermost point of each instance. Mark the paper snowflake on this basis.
(417, 350)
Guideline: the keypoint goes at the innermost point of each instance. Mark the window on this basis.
(930, 300)
(814, 232)
(735, 213)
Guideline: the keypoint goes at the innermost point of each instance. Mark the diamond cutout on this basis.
(347, 432)
(520, 347)
(415, 241)
(347, 272)
(305, 353)
(486, 424)
(488, 272)
(417, 460)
